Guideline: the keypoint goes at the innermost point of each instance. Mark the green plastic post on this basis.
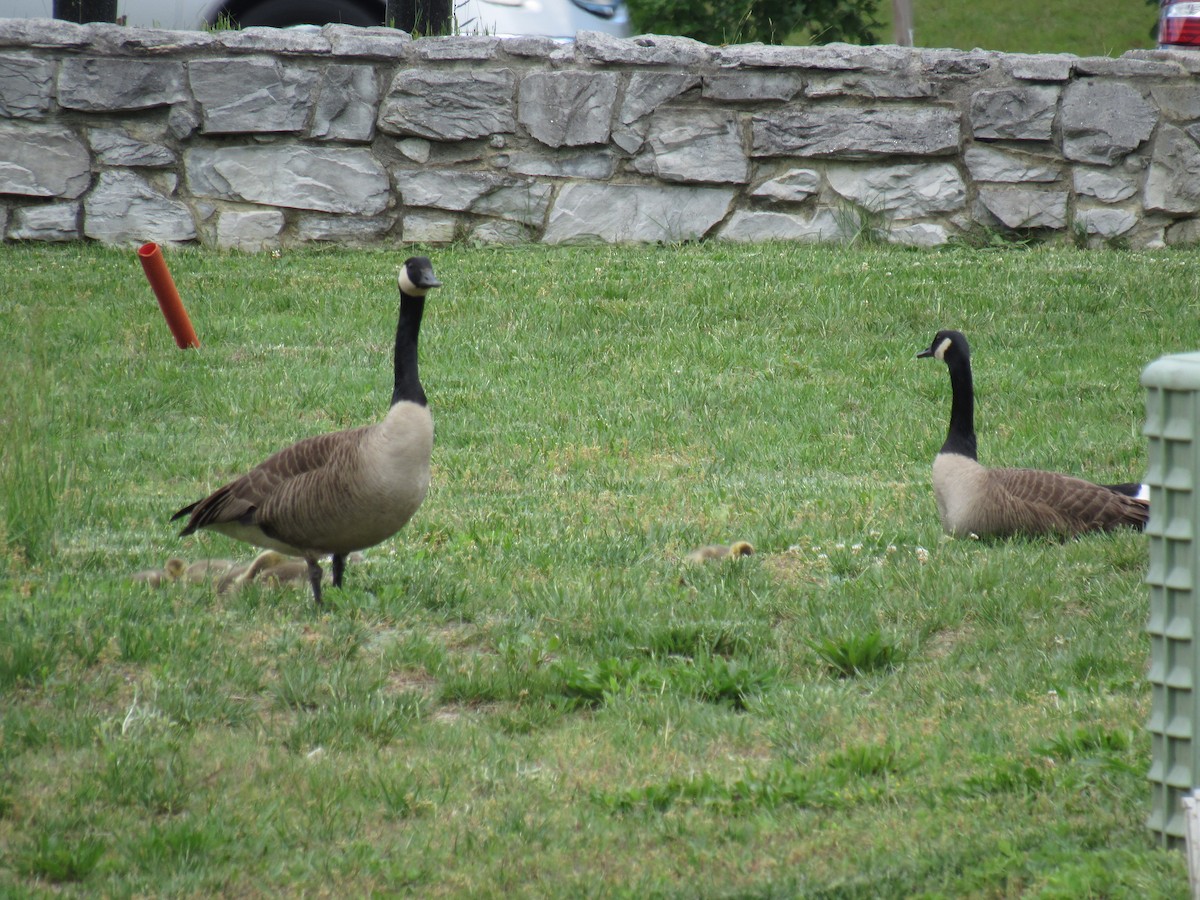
(1173, 474)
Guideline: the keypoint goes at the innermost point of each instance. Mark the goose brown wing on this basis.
(240, 500)
(1037, 501)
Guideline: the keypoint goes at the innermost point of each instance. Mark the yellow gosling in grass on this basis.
(244, 573)
(171, 571)
(709, 552)
(208, 570)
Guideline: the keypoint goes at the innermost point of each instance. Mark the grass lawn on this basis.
(528, 692)
(1094, 28)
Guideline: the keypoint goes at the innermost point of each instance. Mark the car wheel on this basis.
(285, 13)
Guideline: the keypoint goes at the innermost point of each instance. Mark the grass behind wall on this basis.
(528, 692)
(1097, 28)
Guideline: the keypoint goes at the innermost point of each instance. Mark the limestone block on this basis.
(26, 85)
(567, 108)
(470, 47)
(42, 161)
(1040, 66)
(696, 145)
(347, 104)
(647, 49)
(874, 87)
(909, 191)
(919, 235)
(1107, 223)
(1020, 208)
(280, 41)
(836, 57)
(989, 164)
(1173, 183)
(48, 222)
(443, 188)
(593, 165)
(525, 202)
(251, 94)
(251, 230)
(46, 32)
(493, 231)
(343, 229)
(326, 179)
(1177, 101)
(1186, 232)
(367, 43)
(449, 105)
(182, 121)
(620, 213)
(1103, 121)
(116, 147)
(793, 186)
(852, 133)
(752, 87)
(97, 84)
(429, 228)
(1017, 114)
(1105, 185)
(123, 208)
(754, 225)
(647, 91)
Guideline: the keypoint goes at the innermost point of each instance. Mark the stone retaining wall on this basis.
(263, 138)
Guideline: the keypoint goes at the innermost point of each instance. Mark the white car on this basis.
(559, 19)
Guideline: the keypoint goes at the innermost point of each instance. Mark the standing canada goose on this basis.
(972, 499)
(336, 493)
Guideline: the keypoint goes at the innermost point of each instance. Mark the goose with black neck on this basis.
(337, 493)
(985, 502)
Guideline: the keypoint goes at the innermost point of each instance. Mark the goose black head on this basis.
(947, 345)
(416, 276)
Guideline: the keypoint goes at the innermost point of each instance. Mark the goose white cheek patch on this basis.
(408, 287)
(940, 352)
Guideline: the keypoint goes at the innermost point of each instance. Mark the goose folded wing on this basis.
(240, 500)
(1050, 501)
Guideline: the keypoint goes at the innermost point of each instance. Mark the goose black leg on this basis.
(339, 568)
(314, 578)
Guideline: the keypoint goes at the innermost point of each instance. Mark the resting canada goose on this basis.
(736, 550)
(972, 499)
(336, 493)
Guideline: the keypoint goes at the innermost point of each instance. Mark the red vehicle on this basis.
(1179, 25)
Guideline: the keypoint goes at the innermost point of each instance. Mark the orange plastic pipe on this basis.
(163, 285)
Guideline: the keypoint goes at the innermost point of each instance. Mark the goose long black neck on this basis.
(960, 438)
(408, 380)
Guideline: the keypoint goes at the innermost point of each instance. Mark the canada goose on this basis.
(736, 550)
(335, 493)
(171, 571)
(972, 499)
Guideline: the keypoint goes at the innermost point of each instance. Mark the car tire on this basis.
(285, 13)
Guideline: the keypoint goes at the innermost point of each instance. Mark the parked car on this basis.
(553, 18)
(1179, 25)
